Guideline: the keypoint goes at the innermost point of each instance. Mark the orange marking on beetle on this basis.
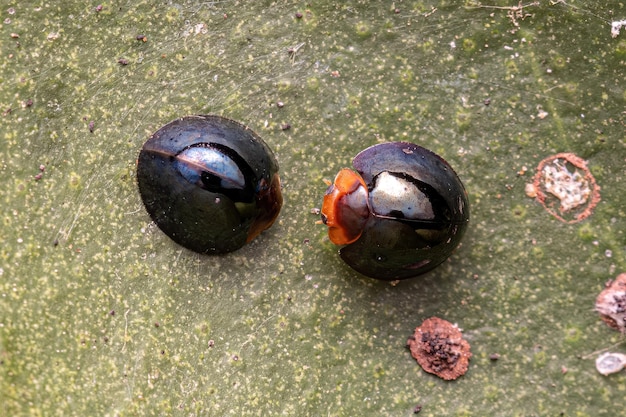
(346, 183)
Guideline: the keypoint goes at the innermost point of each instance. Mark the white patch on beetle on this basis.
(394, 194)
(357, 201)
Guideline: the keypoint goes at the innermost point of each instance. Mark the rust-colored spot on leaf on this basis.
(611, 303)
(439, 348)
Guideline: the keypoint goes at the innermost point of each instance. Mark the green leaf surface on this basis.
(102, 314)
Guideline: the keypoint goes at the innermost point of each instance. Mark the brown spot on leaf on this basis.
(611, 303)
(439, 348)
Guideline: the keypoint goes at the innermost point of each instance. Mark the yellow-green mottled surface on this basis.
(101, 314)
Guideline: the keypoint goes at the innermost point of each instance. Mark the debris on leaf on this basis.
(565, 187)
(610, 363)
(530, 190)
(439, 348)
(611, 303)
(616, 26)
(542, 114)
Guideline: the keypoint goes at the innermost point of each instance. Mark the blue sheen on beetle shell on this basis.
(419, 211)
(210, 168)
(209, 183)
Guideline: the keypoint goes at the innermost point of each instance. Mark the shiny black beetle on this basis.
(401, 215)
(210, 183)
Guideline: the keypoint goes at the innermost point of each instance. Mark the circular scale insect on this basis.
(210, 183)
(401, 215)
